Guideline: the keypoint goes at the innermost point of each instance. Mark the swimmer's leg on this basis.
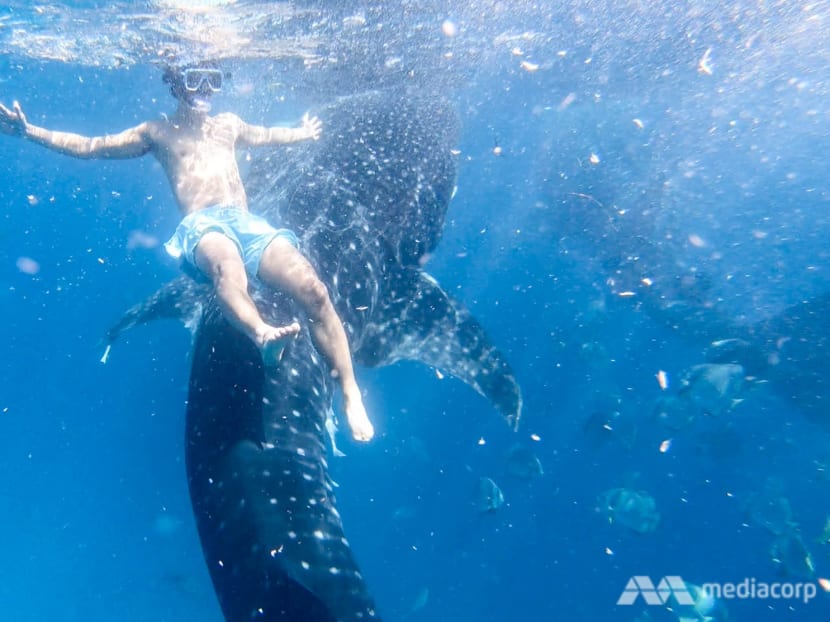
(285, 267)
(218, 257)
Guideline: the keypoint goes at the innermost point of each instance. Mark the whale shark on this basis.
(368, 202)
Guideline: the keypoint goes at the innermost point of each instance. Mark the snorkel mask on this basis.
(195, 84)
(196, 80)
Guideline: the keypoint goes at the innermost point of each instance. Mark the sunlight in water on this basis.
(188, 5)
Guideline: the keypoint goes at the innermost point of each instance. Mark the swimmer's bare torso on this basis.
(197, 151)
(200, 161)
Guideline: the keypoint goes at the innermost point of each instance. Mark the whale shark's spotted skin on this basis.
(368, 201)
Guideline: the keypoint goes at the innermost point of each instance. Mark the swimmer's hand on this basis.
(312, 126)
(13, 123)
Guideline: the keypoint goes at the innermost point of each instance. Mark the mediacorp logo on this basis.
(687, 594)
(668, 586)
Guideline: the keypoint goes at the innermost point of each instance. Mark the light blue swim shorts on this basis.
(251, 233)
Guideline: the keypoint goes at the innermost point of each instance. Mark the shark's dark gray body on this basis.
(368, 201)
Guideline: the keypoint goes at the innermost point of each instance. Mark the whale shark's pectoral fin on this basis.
(428, 325)
(181, 299)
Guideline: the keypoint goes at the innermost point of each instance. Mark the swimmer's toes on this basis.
(363, 433)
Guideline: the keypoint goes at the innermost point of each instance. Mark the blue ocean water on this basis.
(695, 129)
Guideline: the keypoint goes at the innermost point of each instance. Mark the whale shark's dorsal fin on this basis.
(181, 299)
(426, 324)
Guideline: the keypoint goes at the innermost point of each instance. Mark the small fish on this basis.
(713, 388)
(791, 555)
(523, 463)
(770, 509)
(824, 538)
(634, 509)
(331, 430)
(420, 601)
(490, 496)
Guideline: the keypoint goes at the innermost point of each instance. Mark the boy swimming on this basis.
(218, 237)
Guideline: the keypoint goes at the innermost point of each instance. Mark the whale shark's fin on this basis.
(181, 299)
(426, 324)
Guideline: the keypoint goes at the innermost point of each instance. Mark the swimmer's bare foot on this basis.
(362, 428)
(272, 340)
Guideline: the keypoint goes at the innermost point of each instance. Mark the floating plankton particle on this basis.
(704, 65)
(27, 265)
(696, 241)
(449, 28)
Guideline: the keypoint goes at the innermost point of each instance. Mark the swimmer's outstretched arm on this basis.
(130, 143)
(255, 135)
